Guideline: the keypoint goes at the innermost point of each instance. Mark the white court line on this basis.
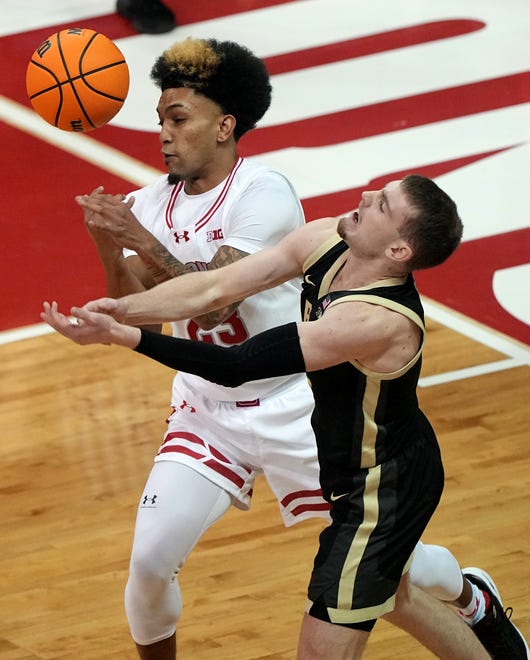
(26, 332)
(517, 354)
(80, 145)
(470, 372)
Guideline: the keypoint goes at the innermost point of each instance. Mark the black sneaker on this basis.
(496, 632)
(147, 16)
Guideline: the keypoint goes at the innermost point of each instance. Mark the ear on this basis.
(399, 251)
(226, 128)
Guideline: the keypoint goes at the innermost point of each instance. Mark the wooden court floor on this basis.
(80, 427)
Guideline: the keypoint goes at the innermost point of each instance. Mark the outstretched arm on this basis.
(381, 339)
(275, 352)
(198, 293)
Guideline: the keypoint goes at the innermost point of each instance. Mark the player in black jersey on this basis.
(360, 343)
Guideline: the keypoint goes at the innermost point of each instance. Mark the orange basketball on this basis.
(77, 80)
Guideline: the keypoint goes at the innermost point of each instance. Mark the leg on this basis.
(473, 593)
(434, 625)
(320, 640)
(177, 506)
(435, 570)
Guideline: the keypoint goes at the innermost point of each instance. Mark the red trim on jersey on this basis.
(213, 208)
(303, 508)
(225, 472)
(300, 494)
(220, 199)
(184, 435)
(219, 463)
(171, 203)
(180, 449)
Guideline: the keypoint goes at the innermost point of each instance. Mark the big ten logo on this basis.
(229, 332)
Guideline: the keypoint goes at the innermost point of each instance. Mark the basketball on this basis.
(77, 80)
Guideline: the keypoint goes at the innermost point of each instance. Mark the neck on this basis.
(211, 176)
(357, 273)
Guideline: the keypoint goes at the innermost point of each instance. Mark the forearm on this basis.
(177, 299)
(161, 264)
(121, 281)
(126, 335)
(275, 352)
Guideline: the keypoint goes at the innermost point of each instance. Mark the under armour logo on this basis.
(184, 236)
(187, 406)
(150, 500)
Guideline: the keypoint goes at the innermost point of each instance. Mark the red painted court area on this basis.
(46, 253)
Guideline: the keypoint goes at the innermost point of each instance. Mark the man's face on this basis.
(189, 127)
(378, 220)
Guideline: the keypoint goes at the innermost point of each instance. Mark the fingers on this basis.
(101, 305)
(56, 320)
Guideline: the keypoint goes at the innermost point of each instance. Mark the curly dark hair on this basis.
(434, 228)
(226, 72)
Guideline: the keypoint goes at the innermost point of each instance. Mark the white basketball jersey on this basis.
(253, 208)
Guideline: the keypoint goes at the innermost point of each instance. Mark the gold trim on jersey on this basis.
(320, 251)
(396, 307)
(372, 391)
(346, 616)
(345, 595)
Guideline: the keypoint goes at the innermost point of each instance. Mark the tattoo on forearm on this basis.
(163, 265)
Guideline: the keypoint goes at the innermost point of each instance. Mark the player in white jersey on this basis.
(214, 208)
(253, 207)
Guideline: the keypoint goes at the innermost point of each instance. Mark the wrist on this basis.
(125, 335)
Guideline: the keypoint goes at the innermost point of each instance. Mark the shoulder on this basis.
(318, 234)
(258, 176)
(311, 237)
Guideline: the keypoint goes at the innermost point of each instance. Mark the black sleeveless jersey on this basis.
(361, 418)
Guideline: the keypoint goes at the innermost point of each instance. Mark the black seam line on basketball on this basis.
(72, 86)
(45, 68)
(59, 108)
(83, 78)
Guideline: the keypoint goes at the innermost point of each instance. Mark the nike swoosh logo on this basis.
(334, 497)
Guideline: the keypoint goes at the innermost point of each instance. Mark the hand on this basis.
(117, 308)
(90, 327)
(86, 328)
(112, 215)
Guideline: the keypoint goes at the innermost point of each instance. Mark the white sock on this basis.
(476, 609)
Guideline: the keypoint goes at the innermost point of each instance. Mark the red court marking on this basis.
(374, 43)
(465, 282)
(342, 201)
(49, 253)
(389, 116)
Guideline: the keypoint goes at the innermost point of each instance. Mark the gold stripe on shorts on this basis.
(345, 595)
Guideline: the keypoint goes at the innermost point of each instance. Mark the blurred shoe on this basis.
(496, 632)
(147, 16)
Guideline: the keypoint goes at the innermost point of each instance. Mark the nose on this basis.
(367, 197)
(164, 135)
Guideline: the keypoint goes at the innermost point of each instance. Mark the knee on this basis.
(435, 570)
(150, 566)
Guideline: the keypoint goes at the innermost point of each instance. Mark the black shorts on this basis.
(368, 546)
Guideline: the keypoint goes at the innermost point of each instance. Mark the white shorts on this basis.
(231, 443)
